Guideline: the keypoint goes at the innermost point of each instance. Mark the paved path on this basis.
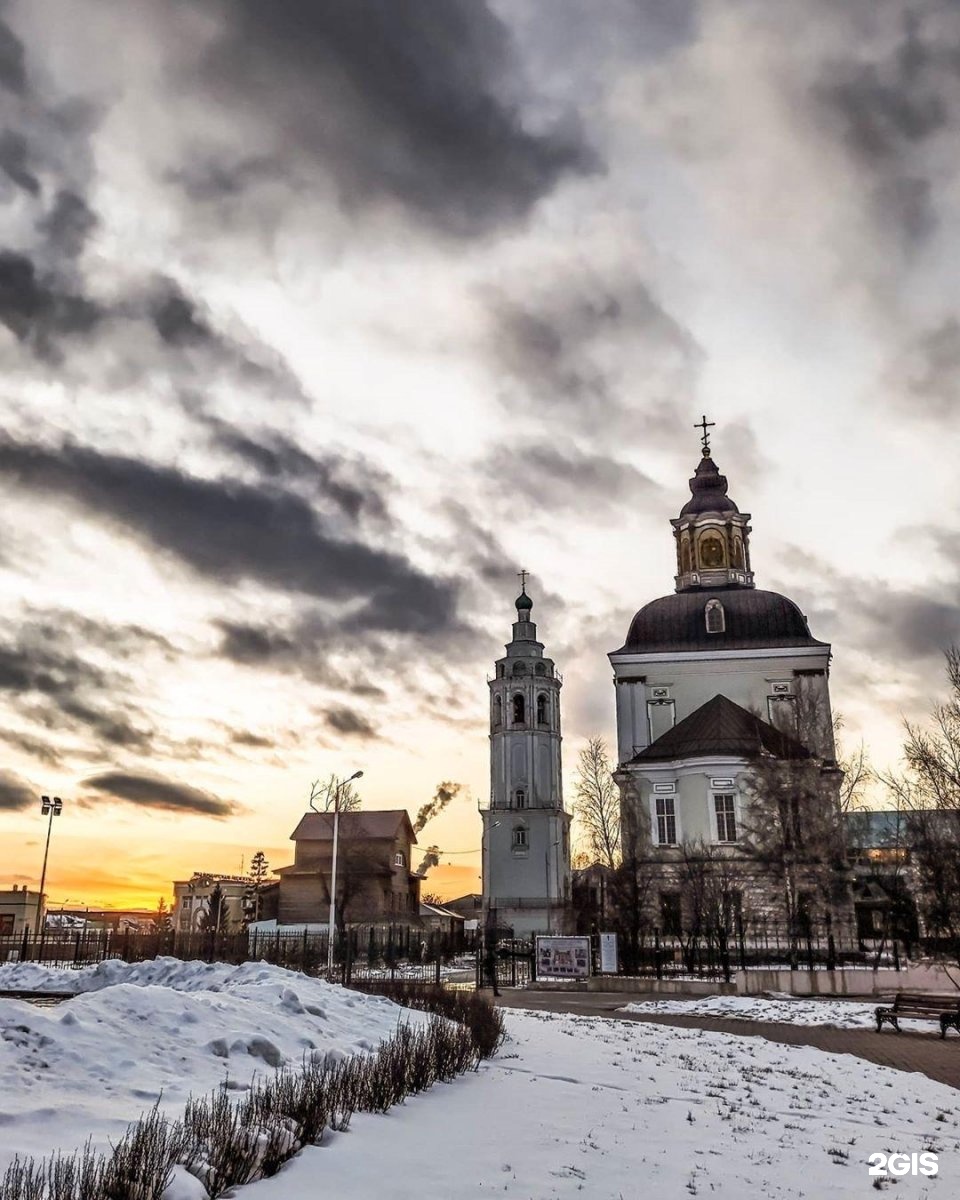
(924, 1052)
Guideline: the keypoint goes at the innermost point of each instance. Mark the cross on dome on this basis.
(706, 426)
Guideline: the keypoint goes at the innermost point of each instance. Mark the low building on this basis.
(375, 884)
(193, 898)
(18, 911)
(470, 907)
(437, 918)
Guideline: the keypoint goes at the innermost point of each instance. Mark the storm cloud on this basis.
(15, 793)
(149, 791)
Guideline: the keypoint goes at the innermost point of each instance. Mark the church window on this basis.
(520, 837)
(540, 669)
(497, 712)
(666, 821)
(716, 620)
(542, 709)
(521, 797)
(519, 668)
(399, 859)
(499, 670)
(725, 808)
(519, 709)
(737, 552)
(684, 557)
(661, 716)
(711, 552)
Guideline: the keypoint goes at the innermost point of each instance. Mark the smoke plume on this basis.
(430, 859)
(444, 794)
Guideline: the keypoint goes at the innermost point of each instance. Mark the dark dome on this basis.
(753, 620)
(524, 602)
(708, 491)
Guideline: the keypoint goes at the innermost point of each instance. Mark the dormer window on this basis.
(716, 622)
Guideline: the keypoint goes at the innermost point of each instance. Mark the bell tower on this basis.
(526, 832)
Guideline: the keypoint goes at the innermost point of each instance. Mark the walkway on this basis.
(924, 1052)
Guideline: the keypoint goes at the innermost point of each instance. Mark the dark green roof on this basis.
(721, 727)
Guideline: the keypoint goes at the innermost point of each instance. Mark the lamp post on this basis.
(50, 808)
(331, 923)
(546, 871)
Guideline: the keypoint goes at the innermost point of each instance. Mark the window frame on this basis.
(720, 820)
(666, 818)
(711, 609)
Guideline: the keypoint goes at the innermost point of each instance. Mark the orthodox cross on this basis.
(522, 576)
(705, 425)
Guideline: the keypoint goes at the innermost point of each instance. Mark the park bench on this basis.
(921, 1006)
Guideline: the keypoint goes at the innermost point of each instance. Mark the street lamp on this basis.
(546, 870)
(333, 866)
(486, 863)
(50, 808)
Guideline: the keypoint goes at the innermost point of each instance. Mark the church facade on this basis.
(526, 831)
(725, 743)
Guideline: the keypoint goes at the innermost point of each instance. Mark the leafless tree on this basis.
(631, 891)
(323, 796)
(597, 804)
(858, 771)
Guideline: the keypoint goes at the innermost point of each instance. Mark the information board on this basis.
(563, 957)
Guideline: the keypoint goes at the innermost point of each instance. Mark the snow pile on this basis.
(578, 1107)
(782, 1010)
(136, 1033)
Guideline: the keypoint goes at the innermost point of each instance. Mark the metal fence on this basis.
(367, 952)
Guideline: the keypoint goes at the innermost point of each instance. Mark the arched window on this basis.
(540, 668)
(711, 551)
(520, 837)
(542, 709)
(521, 797)
(519, 712)
(716, 622)
(399, 859)
(737, 552)
(497, 712)
(684, 557)
(519, 668)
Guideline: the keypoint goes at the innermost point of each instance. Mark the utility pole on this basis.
(331, 923)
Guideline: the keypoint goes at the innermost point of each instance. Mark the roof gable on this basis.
(721, 727)
(383, 823)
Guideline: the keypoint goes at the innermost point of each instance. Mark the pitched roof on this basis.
(373, 823)
(721, 727)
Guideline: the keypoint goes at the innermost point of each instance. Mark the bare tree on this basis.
(632, 891)
(323, 796)
(858, 771)
(597, 804)
(930, 789)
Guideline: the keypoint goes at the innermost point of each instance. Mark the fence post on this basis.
(724, 954)
(657, 962)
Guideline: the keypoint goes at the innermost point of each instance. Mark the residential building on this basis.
(193, 897)
(18, 911)
(375, 882)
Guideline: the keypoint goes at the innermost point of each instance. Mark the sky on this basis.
(319, 322)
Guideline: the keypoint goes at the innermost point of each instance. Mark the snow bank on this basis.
(577, 1107)
(138, 1033)
(783, 1010)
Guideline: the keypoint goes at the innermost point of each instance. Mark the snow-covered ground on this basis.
(785, 1010)
(585, 1107)
(164, 1029)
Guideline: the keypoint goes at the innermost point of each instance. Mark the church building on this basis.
(712, 680)
(526, 832)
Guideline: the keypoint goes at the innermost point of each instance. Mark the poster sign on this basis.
(608, 953)
(563, 957)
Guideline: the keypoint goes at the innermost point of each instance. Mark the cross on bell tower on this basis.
(706, 426)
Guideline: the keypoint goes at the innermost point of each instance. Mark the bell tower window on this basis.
(542, 709)
(716, 621)
(519, 709)
(521, 798)
(497, 712)
(711, 552)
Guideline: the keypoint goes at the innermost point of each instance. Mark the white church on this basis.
(709, 677)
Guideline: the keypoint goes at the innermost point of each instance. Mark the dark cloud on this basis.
(13, 75)
(176, 317)
(564, 476)
(427, 98)
(228, 531)
(887, 105)
(68, 224)
(925, 380)
(15, 161)
(255, 741)
(34, 747)
(15, 793)
(349, 722)
(37, 311)
(156, 792)
(570, 350)
(355, 487)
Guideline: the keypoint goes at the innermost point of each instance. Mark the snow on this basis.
(585, 1106)
(784, 1010)
(161, 1030)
